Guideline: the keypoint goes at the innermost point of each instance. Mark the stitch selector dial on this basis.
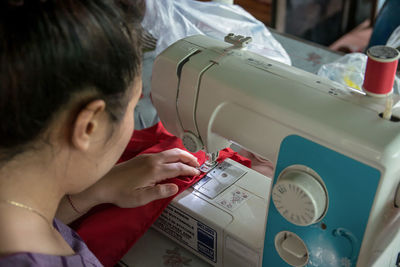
(300, 197)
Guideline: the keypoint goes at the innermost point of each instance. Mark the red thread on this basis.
(380, 75)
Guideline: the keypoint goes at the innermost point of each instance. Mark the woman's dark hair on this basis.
(52, 50)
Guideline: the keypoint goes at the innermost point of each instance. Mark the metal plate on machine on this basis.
(218, 179)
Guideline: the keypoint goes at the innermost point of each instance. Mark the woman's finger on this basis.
(171, 170)
(142, 196)
(176, 154)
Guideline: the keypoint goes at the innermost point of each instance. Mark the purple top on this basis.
(83, 256)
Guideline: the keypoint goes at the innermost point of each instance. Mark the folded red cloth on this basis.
(109, 231)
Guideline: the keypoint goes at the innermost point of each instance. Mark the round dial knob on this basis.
(191, 142)
(300, 197)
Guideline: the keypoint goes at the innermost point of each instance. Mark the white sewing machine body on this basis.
(336, 161)
(226, 229)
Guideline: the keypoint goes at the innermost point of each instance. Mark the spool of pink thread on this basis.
(381, 70)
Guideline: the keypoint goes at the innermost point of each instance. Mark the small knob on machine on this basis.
(300, 197)
(191, 142)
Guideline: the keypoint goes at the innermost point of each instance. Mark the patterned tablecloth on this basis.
(304, 54)
(156, 250)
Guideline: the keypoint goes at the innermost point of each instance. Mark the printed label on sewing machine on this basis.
(189, 231)
(233, 198)
(261, 64)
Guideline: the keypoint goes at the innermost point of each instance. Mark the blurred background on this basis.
(342, 25)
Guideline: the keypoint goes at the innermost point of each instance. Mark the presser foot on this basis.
(208, 166)
(210, 163)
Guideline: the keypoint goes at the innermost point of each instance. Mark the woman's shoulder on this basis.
(37, 259)
(82, 257)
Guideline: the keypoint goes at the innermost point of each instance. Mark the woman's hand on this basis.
(135, 182)
(132, 183)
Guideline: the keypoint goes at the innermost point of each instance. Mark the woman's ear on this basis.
(86, 124)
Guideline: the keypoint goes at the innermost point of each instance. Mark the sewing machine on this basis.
(334, 193)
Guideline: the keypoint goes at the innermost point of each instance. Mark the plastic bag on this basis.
(394, 39)
(349, 70)
(171, 20)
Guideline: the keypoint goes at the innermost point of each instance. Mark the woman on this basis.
(69, 82)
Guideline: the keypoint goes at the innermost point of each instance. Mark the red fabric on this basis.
(109, 231)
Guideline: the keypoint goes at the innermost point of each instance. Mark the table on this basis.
(304, 54)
